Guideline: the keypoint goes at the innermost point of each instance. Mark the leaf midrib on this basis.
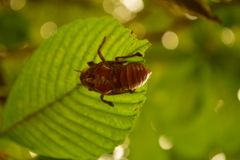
(19, 123)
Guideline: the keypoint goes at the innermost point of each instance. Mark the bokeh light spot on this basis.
(170, 40)
(106, 157)
(17, 4)
(219, 156)
(48, 29)
(126, 143)
(122, 13)
(138, 29)
(123, 10)
(227, 36)
(190, 17)
(238, 94)
(33, 155)
(118, 152)
(108, 6)
(165, 142)
(133, 5)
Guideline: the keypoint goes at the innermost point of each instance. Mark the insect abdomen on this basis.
(134, 75)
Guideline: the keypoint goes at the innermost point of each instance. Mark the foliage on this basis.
(193, 94)
(78, 124)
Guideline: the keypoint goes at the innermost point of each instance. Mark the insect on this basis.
(112, 77)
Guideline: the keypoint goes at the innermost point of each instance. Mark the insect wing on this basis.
(103, 69)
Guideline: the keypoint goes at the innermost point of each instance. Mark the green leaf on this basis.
(194, 7)
(46, 112)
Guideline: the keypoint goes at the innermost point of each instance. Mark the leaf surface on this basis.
(46, 112)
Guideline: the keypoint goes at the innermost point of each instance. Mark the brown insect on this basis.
(112, 77)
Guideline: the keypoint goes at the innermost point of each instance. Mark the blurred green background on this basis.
(192, 110)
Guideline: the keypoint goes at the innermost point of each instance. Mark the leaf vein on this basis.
(69, 140)
(79, 124)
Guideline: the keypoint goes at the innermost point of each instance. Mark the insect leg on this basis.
(131, 91)
(99, 52)
(137, 54)
(109, 103)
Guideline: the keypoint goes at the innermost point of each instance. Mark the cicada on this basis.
(113, 77)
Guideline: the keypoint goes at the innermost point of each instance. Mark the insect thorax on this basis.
(103, 77)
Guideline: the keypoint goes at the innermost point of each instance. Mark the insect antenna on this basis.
(76, 70)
